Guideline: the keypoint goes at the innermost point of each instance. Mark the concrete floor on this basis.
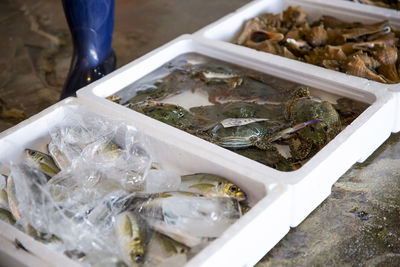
(358, 225)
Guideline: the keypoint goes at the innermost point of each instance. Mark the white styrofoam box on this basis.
(227, 29)
(390, 12)
(310, 184)
(37, 255)
(268, 218)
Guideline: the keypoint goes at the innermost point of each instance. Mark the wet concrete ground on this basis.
(358, 225)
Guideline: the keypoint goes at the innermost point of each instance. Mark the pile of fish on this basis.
(272, 121)
(393, 4)
(368, 51)
(107, 203)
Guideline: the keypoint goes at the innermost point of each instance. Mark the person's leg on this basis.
(91, 24)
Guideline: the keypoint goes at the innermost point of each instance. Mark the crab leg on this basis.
(286, 132)
(246, 141)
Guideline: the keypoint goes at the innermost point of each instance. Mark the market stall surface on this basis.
(358, 225)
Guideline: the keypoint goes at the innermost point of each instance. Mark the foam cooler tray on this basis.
(281, 199)
(310, 184)
(388, 11)
(242, 244)
(225, 30)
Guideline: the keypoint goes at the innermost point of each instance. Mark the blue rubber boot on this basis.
(91, 23)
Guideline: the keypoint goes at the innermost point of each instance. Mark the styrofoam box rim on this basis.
(367, 13)
(277, 65)
(330, 163)
(268, 217)
(359, 7)
(353, 11)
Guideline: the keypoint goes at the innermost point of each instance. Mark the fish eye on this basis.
(220, 183)
(136, 239)
(233, 188)
(138, 257)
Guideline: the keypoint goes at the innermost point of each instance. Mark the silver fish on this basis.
(59, 158)
(3, 192)
(211, 185)
(130, 236)
(42, 162)
(12, 198)
(41, 236)
(161, 247)
(6, 216)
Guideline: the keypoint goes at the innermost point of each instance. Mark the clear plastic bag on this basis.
(108, 146)
(106, 170)
(196, 215)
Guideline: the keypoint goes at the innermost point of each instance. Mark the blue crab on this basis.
(256, 141)
(306, 142)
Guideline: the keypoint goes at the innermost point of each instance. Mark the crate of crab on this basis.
(82, 185)
(304, 130)
(334, 36)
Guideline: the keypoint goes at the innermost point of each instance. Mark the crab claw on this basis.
(286, 132)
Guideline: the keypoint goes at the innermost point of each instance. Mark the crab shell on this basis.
(306, 109)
